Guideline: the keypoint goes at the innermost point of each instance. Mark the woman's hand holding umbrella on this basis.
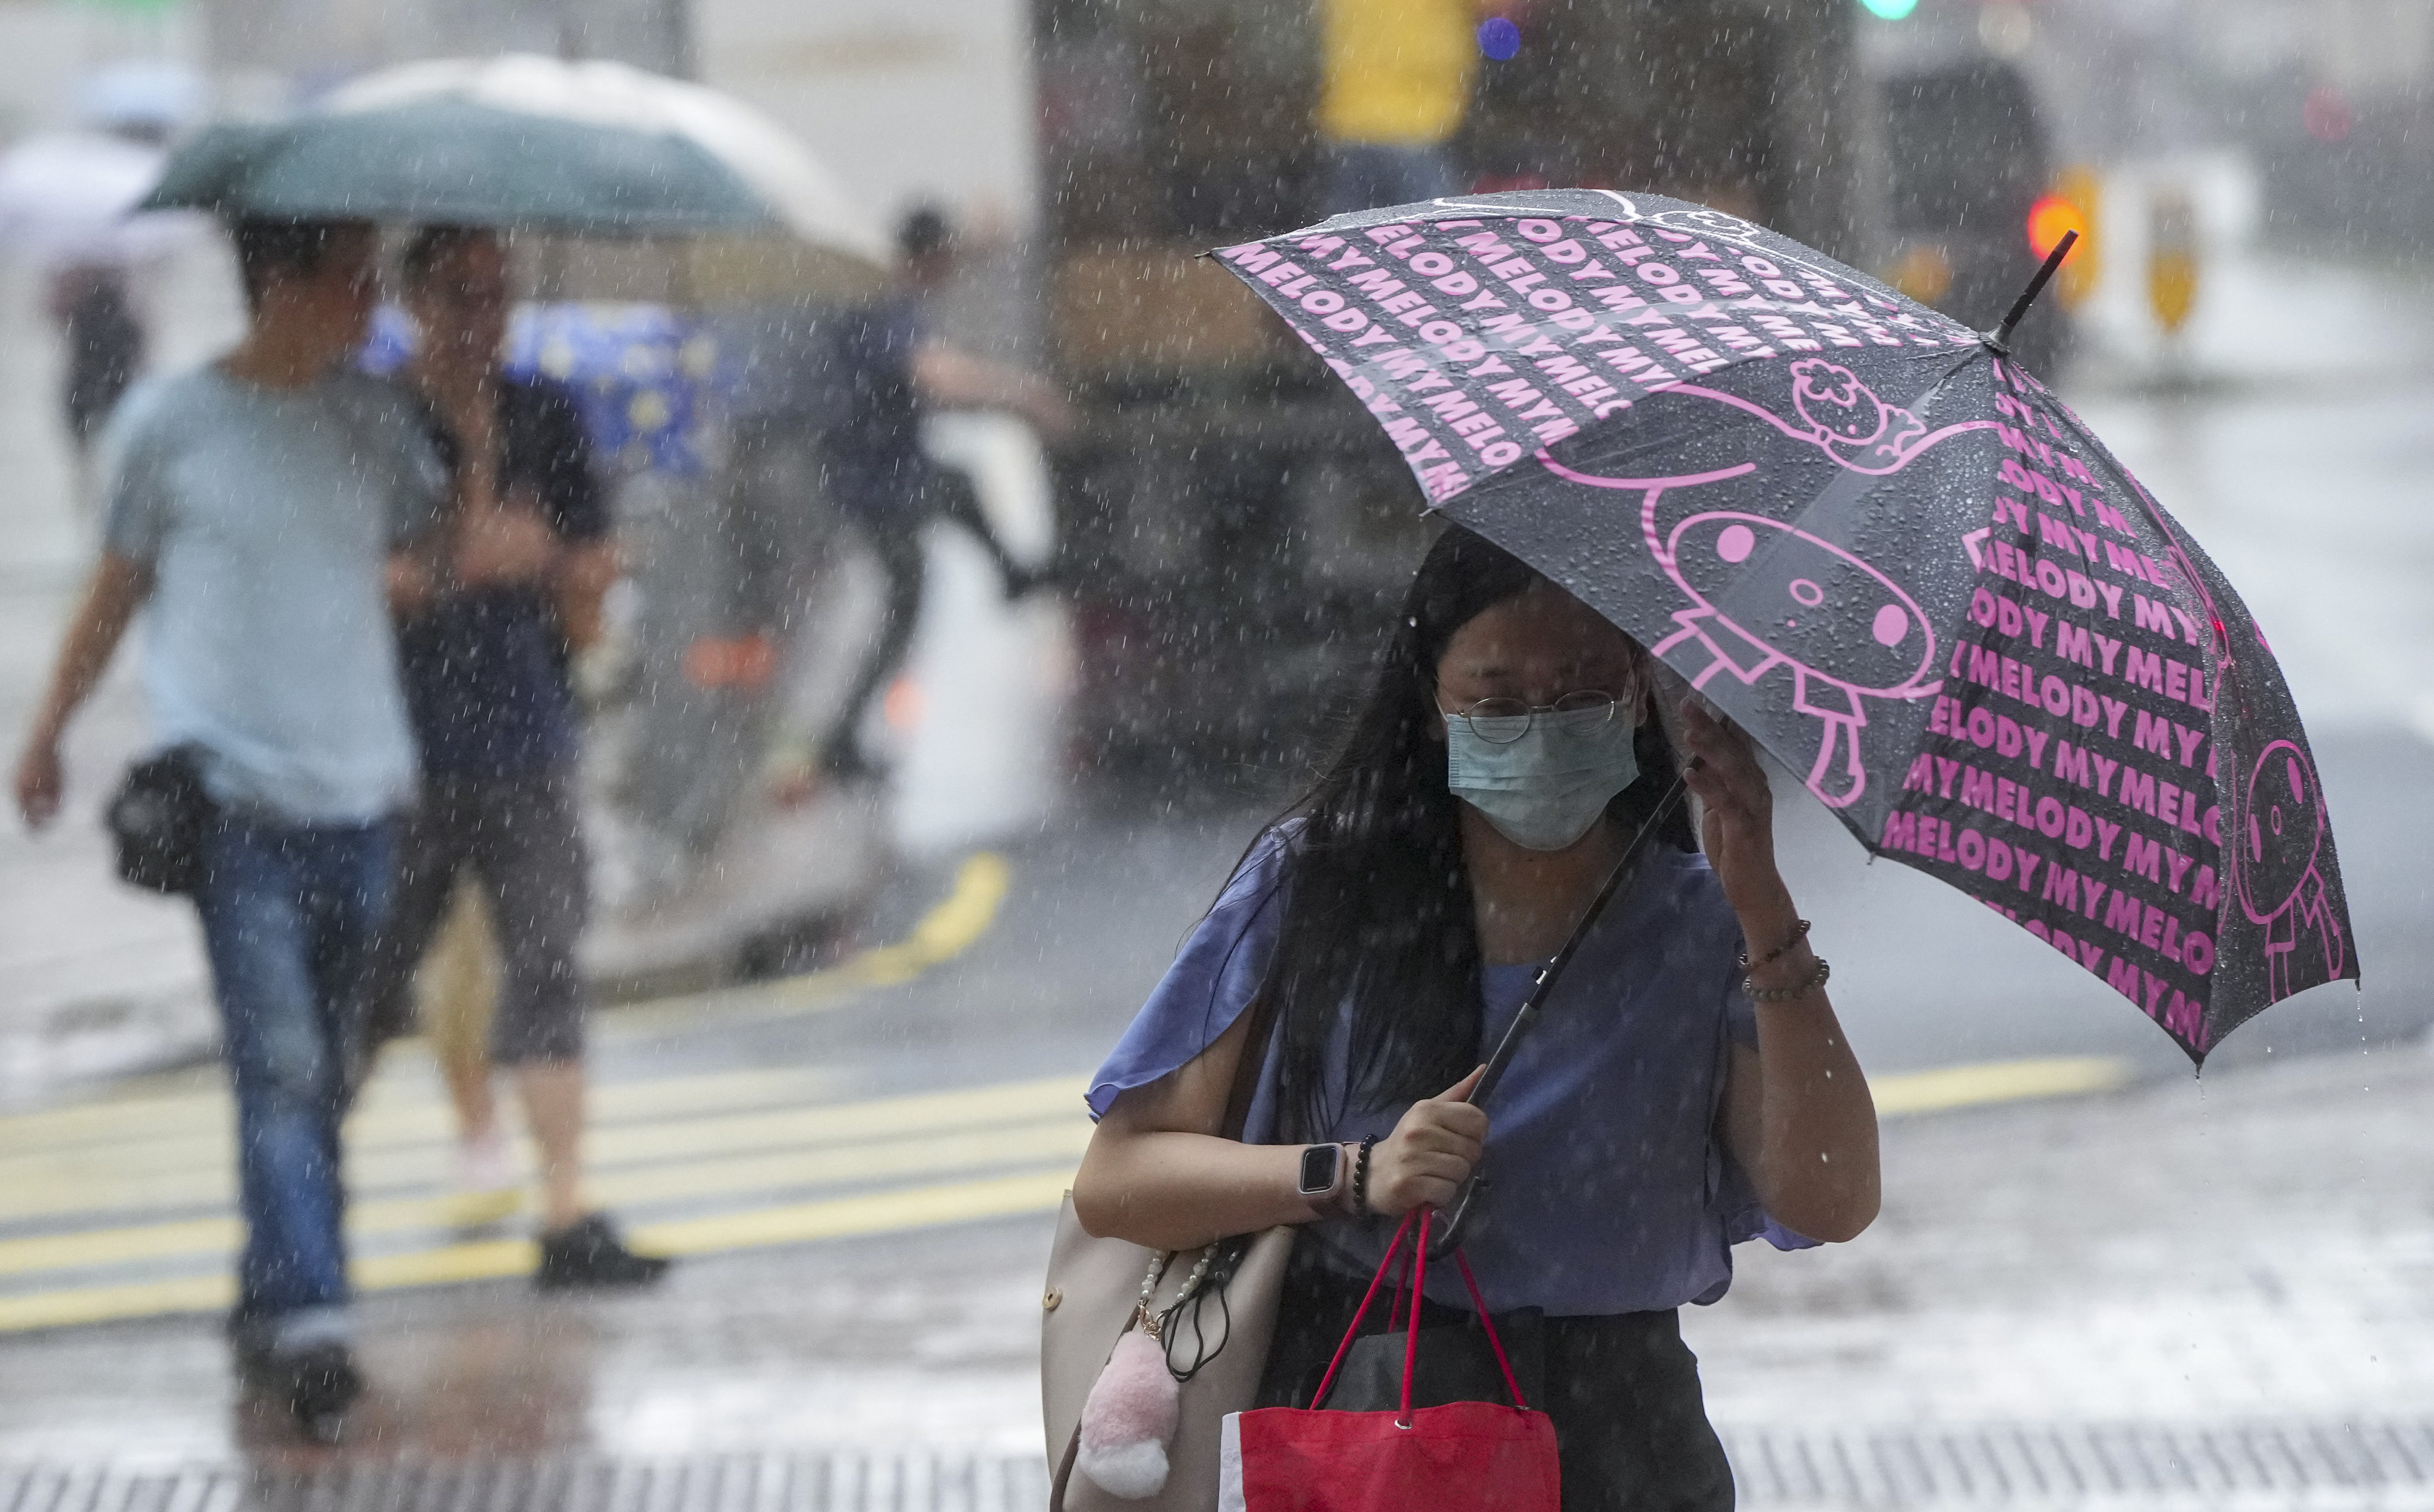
(1435, 1148)
(1736, 828)
(1797, 1113)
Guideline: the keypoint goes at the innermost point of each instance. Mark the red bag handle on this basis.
(1327, 1381)
(1411, 1334)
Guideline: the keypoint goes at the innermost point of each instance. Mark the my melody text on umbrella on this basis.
(1857, 528)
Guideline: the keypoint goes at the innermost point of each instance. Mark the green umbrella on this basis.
(461, 163)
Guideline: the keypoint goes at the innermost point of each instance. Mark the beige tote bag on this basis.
(1093, 1287)
(1094, 1297)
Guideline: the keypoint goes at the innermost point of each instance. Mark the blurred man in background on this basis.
(887, 366)
(484, 659)
(257, 508)
(95, 312)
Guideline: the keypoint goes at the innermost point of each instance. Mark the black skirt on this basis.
(1622, 1390)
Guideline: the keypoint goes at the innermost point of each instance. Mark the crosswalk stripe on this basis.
(402, 1105)
(50, 1187)
(925, 1156)
(905, 1209)
(36, 1188)
(427, 1136)
(878, 1213)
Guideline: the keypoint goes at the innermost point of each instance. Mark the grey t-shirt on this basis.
(265, 516)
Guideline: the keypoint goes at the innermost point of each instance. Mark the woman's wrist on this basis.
(1766, 917)
(1357, 1198)
(1794, 967)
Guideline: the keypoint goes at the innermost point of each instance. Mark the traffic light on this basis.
(2071, 206)
(1889, 9)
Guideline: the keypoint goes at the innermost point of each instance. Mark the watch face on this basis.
(1318, 1166)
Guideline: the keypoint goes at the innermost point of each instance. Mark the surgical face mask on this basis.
(1545, 790)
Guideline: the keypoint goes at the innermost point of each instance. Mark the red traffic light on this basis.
(2048, 219)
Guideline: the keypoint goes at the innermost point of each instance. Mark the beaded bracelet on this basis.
(1360, 1178)
(1798, 934)
(1785, 994)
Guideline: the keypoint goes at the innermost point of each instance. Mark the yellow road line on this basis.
(928, 1156)
(1997, 1081)
(104, 1305)
(835, 1218)
(54, 1188)
(952, 926)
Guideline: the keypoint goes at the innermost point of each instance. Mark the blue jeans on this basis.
(288, 913)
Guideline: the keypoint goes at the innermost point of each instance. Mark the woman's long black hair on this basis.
(1378, 906)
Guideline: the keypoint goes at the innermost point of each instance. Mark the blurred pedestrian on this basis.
(485, 660)
(256, 508)
(95, 313)
(1396, 87)
(1687, 1087)
(887, 366)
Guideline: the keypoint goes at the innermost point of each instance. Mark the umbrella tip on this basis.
(2000, 339)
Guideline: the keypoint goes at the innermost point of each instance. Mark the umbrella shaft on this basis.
(1503, 1055)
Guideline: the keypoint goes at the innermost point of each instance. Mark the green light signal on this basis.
(1890, 9)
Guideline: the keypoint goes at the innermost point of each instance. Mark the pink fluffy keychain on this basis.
(1130, 1419)
(1130, 1416)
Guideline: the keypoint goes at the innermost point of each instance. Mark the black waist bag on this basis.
(160, 818)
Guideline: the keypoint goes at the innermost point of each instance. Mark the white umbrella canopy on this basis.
(800, 192)
(64, 197)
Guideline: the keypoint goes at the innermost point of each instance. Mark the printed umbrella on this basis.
(1876, 543)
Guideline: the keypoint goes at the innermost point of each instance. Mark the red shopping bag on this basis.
(1453, 1458)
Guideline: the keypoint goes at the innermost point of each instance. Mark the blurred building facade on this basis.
(2331, 101)
(1236, 524)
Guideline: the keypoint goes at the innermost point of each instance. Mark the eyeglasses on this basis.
(1502, 721)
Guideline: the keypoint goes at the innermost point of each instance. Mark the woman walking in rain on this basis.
(1687, 1088)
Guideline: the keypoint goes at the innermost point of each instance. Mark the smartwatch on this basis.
(1320, 1166)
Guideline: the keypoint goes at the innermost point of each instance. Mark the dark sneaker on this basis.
(320, 1383)
(590, 1253)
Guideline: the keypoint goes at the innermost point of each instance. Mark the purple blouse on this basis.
(1610, 1189)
